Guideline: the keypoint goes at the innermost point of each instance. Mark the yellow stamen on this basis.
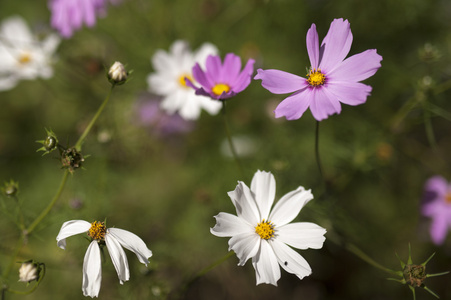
(315, 77)
(97, 230)
(24, 58)
(182, 79)
(265, 230)
(220, 88)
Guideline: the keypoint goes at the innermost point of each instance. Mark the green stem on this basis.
(94, 119)
(19, 245)
(229, 138)
(318, 160)
(428, 127)
(50, 206)
(352, 248)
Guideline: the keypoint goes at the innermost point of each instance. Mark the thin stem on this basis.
(352, 248)
(428, 127)
(94, 119)
(318, 160)
(50, 206)
(19, 245)
(229, 138)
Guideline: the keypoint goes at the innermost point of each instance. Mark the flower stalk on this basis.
(229, 139)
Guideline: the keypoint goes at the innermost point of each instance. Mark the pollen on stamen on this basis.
(265, 230)
(315, 77)
(220, 88)
(97, 230)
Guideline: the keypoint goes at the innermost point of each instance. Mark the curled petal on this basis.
(294, 106)
(357, 67)
(263, 186)
(290, 260)
(279, 82)
(302, 235)
(131, 242)
(266, 267)
(289, 206)
(230, 225)
(336, 45)
(118, 257)
(71, 228)
(92, 271)
(245, 246)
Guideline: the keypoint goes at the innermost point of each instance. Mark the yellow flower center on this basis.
(220, 88)
(24, 58)
(265, 230)
(182, 81)
(97, 230)
(315, 77)
(448, 198)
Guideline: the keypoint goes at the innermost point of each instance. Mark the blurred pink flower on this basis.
(332, 78)
(69, 15)
(149, 114)
(222, 80)
(437, 206)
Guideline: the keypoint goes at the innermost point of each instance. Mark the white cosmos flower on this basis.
(114, 238)
(265, 235)
(23, 55)
(168, 81)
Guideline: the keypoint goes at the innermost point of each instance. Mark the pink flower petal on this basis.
(280, 82)
(357, 67)
(351, 93)
(294, 106)
(231, 68)
(324, 104)
(313, 46)
(213, 69)
(439, 229)
(336, 45)
(244, 79)
(200, 76)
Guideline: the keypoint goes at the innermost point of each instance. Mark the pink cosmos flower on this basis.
(69, 15)
(222, 81)
(332, 78)
(437, 206)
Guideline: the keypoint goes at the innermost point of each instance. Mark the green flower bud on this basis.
(11, 188)
(49, 144)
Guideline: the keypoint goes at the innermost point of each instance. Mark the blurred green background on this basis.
(166, 189)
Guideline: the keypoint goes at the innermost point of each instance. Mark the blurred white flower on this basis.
(265, 236)
(245, 146)
(23, 55)
(28, 272)
(114, 238)
(169, 80)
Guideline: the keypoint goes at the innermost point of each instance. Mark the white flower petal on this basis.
(289, 206)
(263, 186)
(71, 228)
(245, 205)
(92, 271)
(302, 235)
(118, 257)
(230, 225)
(290, 260)
(265, 264)
(245, 246)
(131, 242)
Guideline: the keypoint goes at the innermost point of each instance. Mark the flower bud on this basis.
(71, 159)
(10, 188)
(28, 271)
(49, 144)
(117, 73)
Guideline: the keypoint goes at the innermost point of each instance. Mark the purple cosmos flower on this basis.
(437, 206)
(69, 15)
(222, 81)
(332, 78)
